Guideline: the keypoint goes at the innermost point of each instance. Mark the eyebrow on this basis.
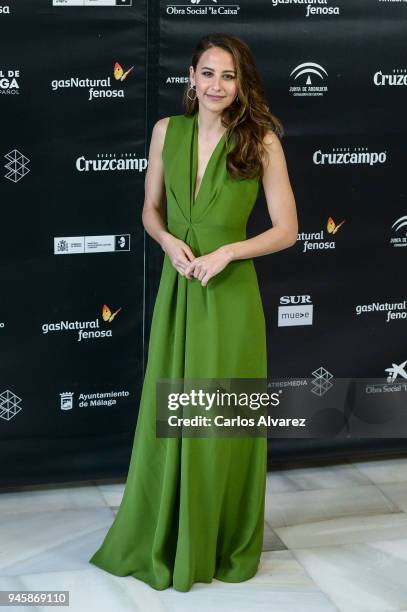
(208, 68)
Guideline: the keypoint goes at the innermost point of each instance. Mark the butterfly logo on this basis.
(119, 73)
(332, 227)
(107, 314)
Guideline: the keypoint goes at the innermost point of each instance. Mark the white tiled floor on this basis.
(335, 539)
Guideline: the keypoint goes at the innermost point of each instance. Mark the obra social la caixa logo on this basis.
(86, 330)
(396, 383)
(97, 88)
(210, 8)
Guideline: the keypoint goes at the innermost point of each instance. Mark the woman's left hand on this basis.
(205, 267)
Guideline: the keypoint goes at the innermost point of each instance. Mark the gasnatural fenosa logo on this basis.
(316, 241)
(87, 330)
(97, 88)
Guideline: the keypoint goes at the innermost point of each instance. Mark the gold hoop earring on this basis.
(191, 88)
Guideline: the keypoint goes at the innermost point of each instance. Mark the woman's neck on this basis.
(209, 124)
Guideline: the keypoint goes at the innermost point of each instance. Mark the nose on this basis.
(216, 84)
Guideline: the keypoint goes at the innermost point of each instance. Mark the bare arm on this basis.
(154, 209)
(281, 206)
(153, 215)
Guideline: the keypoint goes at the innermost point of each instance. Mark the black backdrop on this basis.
(81, 85)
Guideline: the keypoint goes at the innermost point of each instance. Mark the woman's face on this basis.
(215, 79)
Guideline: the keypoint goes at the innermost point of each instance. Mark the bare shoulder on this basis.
(158, 134)
(160, 128)
(161, 125)
(273, 157)
(271, 140)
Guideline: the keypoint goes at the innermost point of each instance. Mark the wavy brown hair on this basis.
(249, 118)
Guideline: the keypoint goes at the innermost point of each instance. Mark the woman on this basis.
(193, 508)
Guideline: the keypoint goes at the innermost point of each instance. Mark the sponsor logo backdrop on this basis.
(81, 84)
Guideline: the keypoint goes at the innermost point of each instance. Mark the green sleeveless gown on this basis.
(193, 508)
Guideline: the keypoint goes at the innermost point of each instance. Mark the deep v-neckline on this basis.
(196, 158)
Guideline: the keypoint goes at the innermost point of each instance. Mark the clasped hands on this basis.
(204, 267)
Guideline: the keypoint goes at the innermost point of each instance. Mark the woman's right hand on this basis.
(179, 253)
